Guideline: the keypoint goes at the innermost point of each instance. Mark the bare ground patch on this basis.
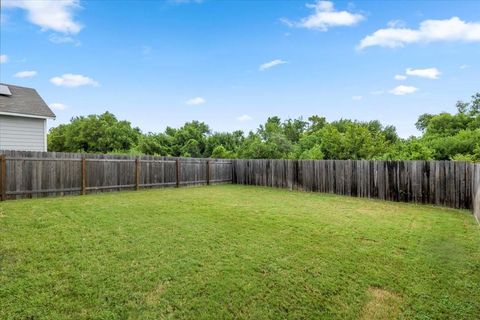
(383, 304)
(153, 296)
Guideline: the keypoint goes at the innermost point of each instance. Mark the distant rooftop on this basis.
(21, 100)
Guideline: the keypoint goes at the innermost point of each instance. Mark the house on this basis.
(23, 119)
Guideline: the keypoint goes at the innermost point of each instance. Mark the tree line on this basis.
(444, 136)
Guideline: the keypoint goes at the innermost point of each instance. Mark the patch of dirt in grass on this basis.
(366, 240)
(383, 304)
(153, 296)
(400, 251)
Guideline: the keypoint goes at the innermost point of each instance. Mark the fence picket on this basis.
(39, 174)
(447, 183)
(453, 184)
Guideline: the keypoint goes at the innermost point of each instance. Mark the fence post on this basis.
(84, 176)
(177, 171)
(3, 177)
(137, 174)
(208, 172)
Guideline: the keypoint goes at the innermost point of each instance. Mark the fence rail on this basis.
(447, 183)
(38, 174)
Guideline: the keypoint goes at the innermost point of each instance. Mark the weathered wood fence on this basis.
(38, 174)
(453, 184)
(446, 183)
(476, 192)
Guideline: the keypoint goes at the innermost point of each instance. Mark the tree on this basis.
(189, 140)
(155, 144)
(423, 121)
(410, 149)
(314, 153)
(231, 142)
(271, 127)
(315, 123)
(94, 133)
(445, 136)
(346, 139)
(293, 129)
(221, 153)
(276, 147)
(452, 136)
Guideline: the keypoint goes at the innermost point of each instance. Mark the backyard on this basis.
(231, 251)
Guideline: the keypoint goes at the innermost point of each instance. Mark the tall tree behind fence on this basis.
(38, 174)
(447, 183)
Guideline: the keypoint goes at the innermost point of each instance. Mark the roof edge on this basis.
(25, 115)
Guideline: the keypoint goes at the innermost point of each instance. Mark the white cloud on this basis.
(400, 77)
(430, 73)
(453, 29)
(271, 64)
(25, 74)
(195, 101)
(59, 39)
(464, 66)
(49, 15)
(396, 24)
(58, 106)
(244, 118)
(3, 58)
(403, 90)
(357, 98)
(73, 80)
(325, 17)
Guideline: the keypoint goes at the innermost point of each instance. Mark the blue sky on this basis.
(234, 63)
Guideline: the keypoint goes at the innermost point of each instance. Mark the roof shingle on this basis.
(24, 101)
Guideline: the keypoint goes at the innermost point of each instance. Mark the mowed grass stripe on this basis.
(235, 252)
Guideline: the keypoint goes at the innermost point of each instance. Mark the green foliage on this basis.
(95, 133)
(220, 152)
(275, 146)
(410, 149)
(314, 153)
(154, 144)
(189, 140)
(346, 139)
(444, 136)
(293, 129)
(453, 136)
(231, 142)
(464, 142)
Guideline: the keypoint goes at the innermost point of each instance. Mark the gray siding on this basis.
(20, 133)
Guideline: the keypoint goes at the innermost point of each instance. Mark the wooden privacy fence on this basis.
(453, 184)
(37, 174)
(476, 192)
(447, 183)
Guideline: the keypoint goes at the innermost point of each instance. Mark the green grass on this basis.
(231, 251)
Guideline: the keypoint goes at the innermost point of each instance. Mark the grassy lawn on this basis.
(232, 251)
